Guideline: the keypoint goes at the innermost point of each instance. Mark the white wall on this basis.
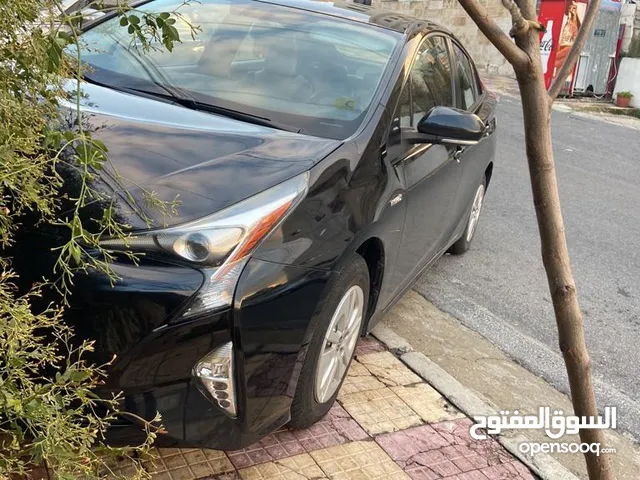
(629, 79)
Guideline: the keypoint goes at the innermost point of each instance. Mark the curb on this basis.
(543, 465)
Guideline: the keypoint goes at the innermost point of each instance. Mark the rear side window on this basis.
(467, 90)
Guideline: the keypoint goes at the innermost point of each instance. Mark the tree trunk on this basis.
(536, 106)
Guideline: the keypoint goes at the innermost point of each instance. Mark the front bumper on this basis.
(269, 324)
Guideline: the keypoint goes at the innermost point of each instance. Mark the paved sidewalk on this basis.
(387, 424)
(501, 84)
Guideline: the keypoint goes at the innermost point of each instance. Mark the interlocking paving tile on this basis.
(388, 369)
(357, 461)
(298, 467)
(379, 411)
(223, 476)
(335, 428)
(427, 402)
(473, 475)
(280, 444)
(359, 379)
(187, 464)
(369, 345)
(446, 449)
(457, 432)
(511, 471)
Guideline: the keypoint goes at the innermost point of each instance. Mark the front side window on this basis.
(431, 77)
(466, 82)
(310, 71)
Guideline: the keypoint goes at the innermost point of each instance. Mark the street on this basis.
(499, 288)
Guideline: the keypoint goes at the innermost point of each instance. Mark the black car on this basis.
(323, 155)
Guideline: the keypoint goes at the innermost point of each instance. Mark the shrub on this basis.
(50, 415)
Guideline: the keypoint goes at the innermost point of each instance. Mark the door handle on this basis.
(458, 153)
(490, 127)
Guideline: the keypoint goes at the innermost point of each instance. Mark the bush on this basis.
(50, 415)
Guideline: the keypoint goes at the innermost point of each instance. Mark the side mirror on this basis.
(451, 126)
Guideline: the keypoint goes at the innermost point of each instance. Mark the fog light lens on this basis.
(215, 371)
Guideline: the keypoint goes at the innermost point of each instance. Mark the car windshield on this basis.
(313, 72)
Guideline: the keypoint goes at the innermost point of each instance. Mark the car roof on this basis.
(361, 13)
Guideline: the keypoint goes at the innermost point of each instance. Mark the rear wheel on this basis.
(338, 327)
(464, 242)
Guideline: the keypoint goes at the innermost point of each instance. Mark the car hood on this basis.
(206, 161)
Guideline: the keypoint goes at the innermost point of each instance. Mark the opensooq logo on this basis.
(555, 426)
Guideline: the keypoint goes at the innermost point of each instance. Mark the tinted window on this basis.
(431, 77)
(466, 83)
(307, 70)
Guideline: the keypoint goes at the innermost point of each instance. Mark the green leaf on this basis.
(54, 56)
(79, 376)
(164, 15)
(124, 21)
(100, 144)
(131, 29)
(76, 227)
(171, 21)
(134, 19)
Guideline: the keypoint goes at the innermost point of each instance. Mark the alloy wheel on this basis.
(339, 343)
(475, 212)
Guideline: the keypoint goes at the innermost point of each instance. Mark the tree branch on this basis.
(521, 25)
(576, 49)
(494, 33)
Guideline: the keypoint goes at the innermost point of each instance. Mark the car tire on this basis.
(464, 242)
(314, 397)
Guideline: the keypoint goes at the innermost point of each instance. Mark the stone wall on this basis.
(450, 14)
(628, 18)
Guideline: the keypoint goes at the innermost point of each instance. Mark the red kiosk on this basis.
(563, 19)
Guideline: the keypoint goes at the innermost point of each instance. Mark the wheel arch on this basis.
(372, 250)
(488, 173)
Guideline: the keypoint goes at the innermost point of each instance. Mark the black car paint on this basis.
(215, 162)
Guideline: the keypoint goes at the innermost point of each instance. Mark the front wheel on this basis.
(464, 242)
(338, 325)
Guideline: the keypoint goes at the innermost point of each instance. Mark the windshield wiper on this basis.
(235, 114)
(176, 95)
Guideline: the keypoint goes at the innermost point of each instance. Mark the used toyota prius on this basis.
(324, 155)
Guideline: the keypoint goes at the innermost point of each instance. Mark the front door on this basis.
(473, 159)
(431, 173)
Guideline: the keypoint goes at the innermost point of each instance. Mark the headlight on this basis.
(220, 243)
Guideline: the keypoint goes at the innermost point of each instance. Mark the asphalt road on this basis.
(499, 287)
